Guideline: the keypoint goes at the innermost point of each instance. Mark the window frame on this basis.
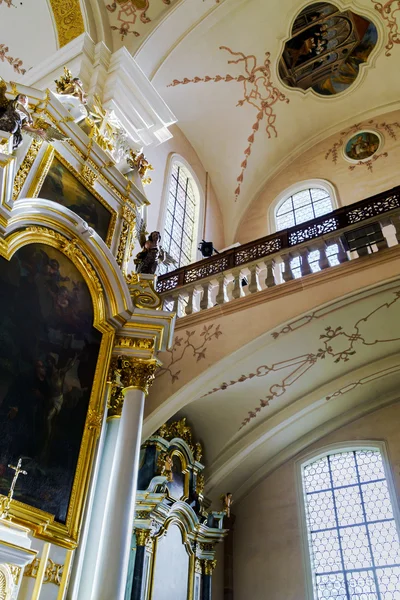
(306, 459)
(199, 207)
(294, 189)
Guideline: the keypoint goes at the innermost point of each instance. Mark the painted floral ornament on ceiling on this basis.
(258, 91)
(326, 48)
(130, 13)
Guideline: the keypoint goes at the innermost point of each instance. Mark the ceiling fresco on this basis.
(326, 49)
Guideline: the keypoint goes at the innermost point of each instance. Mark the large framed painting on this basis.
(48, 355)
(64, 185)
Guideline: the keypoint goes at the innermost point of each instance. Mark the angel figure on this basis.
(151, 255)
(16, 118)
(165, 464)
(227, 503)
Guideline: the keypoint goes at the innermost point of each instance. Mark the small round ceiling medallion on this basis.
(362, 145)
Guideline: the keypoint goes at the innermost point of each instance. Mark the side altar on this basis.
(80, 337)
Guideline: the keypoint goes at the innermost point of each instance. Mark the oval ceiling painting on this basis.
(326, 48)
(362, 146)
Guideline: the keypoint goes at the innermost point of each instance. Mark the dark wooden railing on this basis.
(337, 220)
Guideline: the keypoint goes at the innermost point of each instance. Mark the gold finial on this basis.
(64, 82)
(138, 161)
(6, 503)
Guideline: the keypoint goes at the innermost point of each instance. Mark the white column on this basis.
(112, 566)
(97, 517)
(112, 571)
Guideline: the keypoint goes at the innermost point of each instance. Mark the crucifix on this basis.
(5, 505)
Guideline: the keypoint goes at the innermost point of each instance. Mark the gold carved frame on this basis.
(41, 523)
(42, 171)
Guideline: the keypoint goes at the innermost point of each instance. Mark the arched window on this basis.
(179, 236)
(301, 206)
(300, 203)
(353, 541)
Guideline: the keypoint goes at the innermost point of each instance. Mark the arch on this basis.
(166, 224)
(295, 188)
(44, 221)
(354, 479)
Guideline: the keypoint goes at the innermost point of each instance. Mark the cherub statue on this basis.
(71, 86)
(137, 160)
(151, 255)
(227, 503)
(165, 464)
(16, 118)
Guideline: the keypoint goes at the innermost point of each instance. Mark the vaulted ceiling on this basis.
(215, 63)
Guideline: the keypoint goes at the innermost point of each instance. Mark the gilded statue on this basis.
(137, 160)
(151, 254)
(227, 503)
(15, 118)
(71, 86)
(165, 463)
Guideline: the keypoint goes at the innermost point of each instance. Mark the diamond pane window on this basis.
(179, 228)
(303, 206)
(352, 535)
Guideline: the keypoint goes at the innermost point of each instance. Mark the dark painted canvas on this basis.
(326, 48)
(61, 186)
(48, 354)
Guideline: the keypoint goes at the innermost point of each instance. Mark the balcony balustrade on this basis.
(348, 233)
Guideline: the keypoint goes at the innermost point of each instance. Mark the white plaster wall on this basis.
(268, 559)
(171, 567)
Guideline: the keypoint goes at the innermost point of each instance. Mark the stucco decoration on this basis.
(129, 14)
(336, 344)
(16, 63)
(390, 12)
(192, 343)
(258, 90)
(349, 135)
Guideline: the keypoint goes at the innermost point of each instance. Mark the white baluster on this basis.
(270, 278)
(287, 268)
(189, 304)
(253, 283)
(237, 284)
(304, 264)
(221, 296)
(323, 259)
(204, 298)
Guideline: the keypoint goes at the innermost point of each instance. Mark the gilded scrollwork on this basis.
(52, 574)
(94, 420)
(69, 20)
(142, 292)
(142, 536)
(134, 343)
(209, 566)
(25, 167)
(89, 175)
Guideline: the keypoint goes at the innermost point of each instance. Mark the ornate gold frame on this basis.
(42, 523)
(185, 473)
(43, 169)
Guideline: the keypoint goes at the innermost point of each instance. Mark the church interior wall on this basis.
(156, 192)
(351, 184)
(268, 551)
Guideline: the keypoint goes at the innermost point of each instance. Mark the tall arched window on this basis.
(179, 236)
(301, 206)
(300, 203)
(353, 540)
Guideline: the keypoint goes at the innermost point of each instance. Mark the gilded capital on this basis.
(142, 536)
(137, 372)
(209, 566)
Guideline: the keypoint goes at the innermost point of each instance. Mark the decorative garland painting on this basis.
(258, 91)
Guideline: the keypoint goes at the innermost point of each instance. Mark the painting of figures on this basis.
(362, 145)
(48, 355)
(326, 49)
(61, 186)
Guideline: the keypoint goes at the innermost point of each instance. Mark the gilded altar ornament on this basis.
(227, 503)
(68, 19)
(5, 501)
(89, 175)
(200, 484)
(177, 429)
(138, 161)
(25, 167)
(134, 343)
(164, 464)
(67, 85)
(15, 118)
(198, 453)
(53, 571)
(209, 566)
(137, 373)
(142, 536)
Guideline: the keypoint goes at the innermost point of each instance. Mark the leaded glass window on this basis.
(303, 206)
(352, 535)
(179, 230)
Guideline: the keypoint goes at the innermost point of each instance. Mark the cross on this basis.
(18, 472)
